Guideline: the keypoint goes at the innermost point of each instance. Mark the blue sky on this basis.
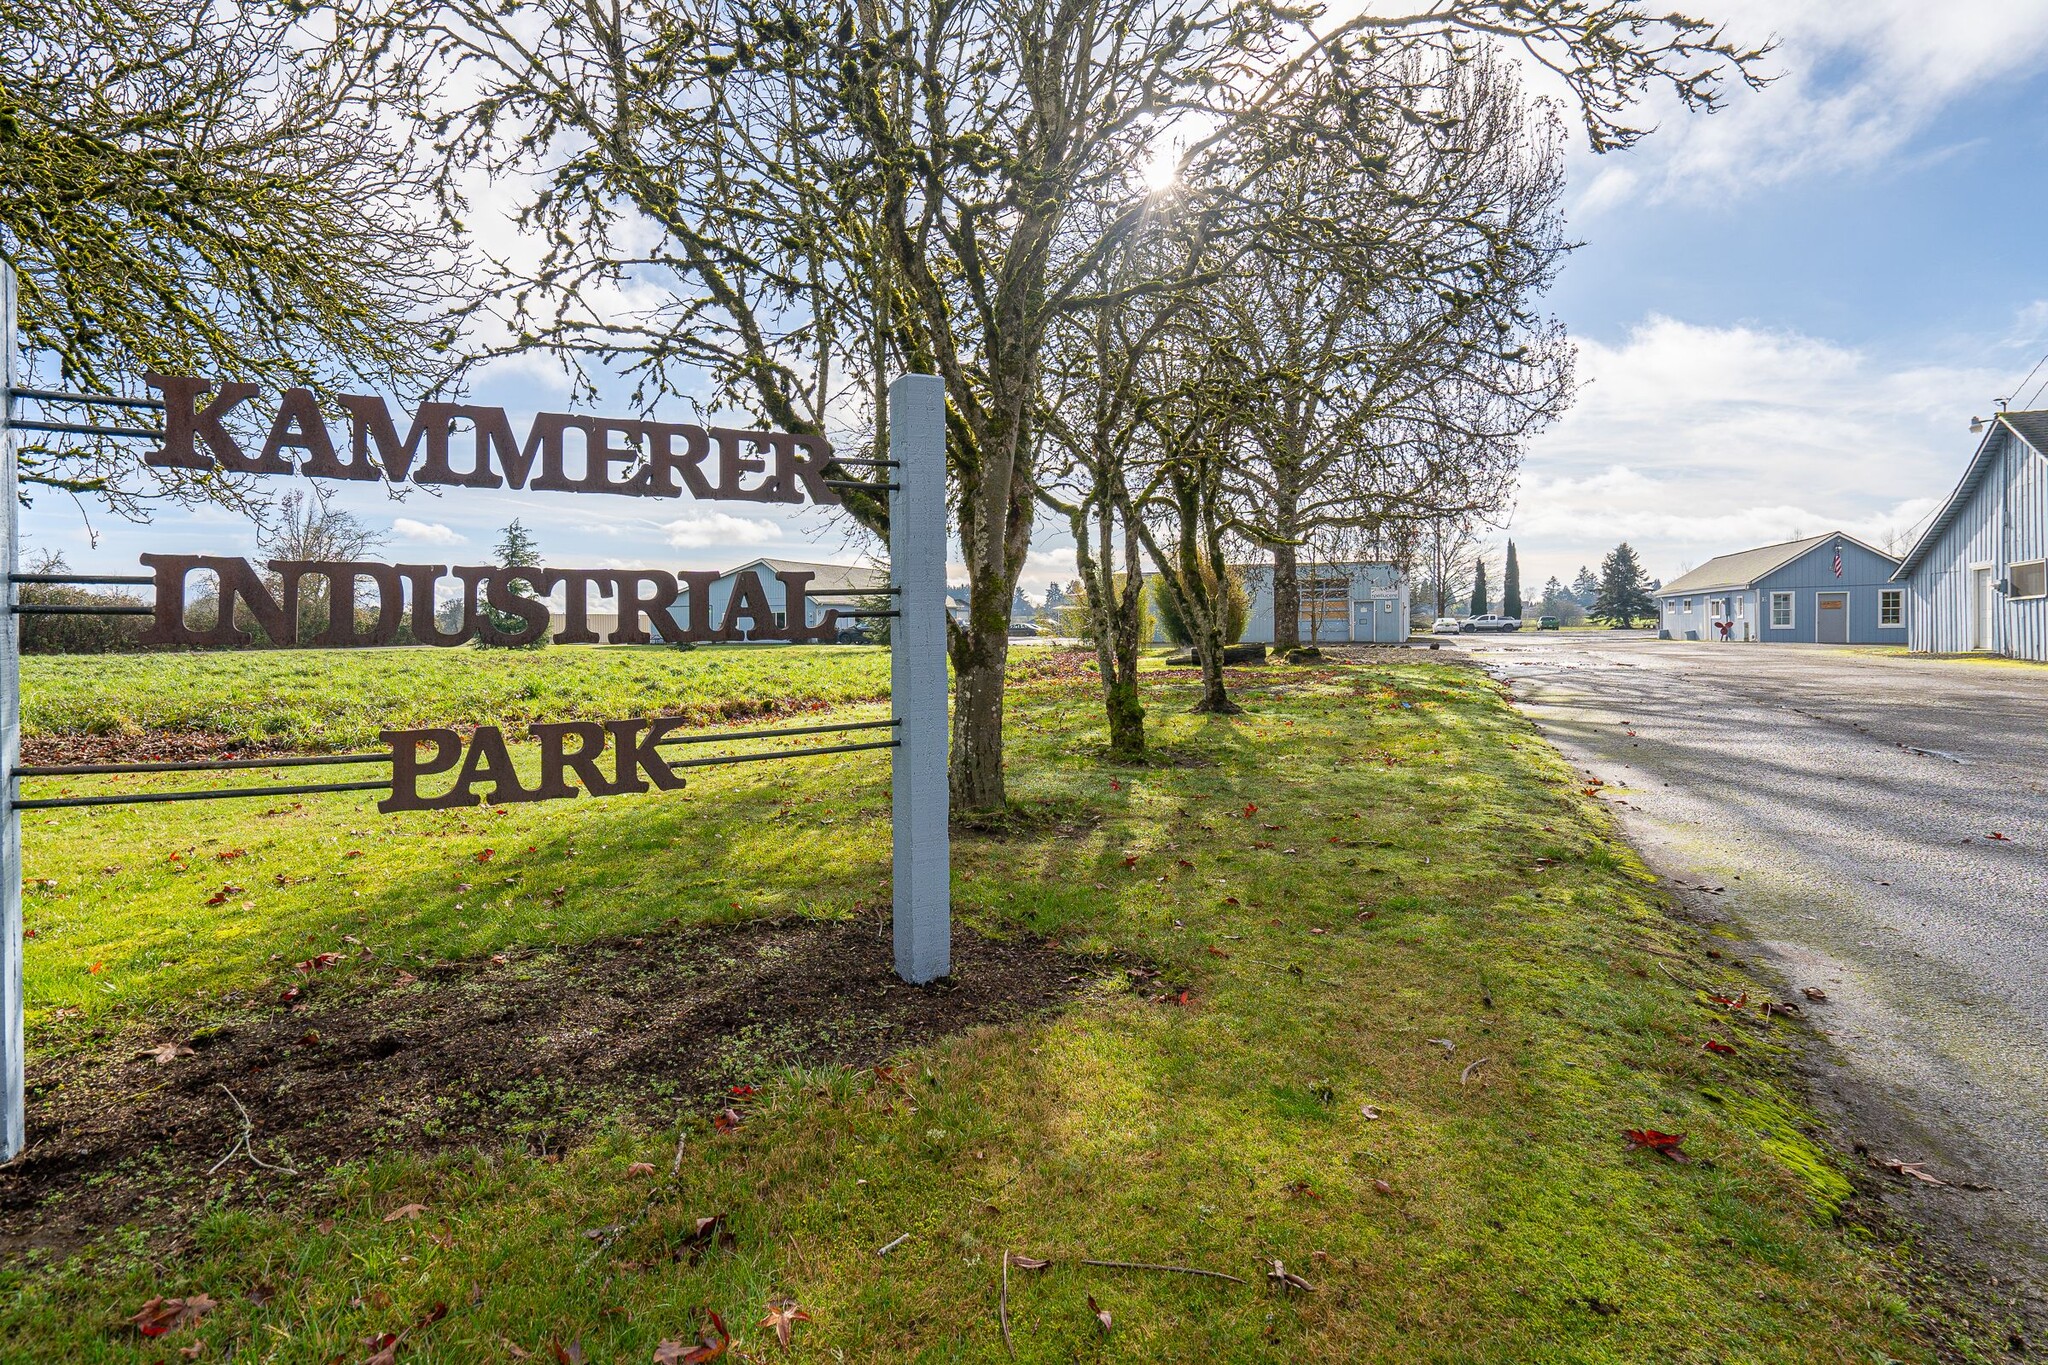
(1786, 313)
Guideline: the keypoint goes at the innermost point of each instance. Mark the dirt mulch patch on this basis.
(530, 1053)
(152, 746)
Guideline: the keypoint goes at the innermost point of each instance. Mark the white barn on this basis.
(1978, 576)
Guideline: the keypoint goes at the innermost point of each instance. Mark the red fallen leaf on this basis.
(319, 962)
(572, 1354)
(726, 1121)
(2002, 838)
(1382, 1187)
(1663, 1144)
(227, 889)
(161, 1315)
(309, 1038)
(383, 1348)
(1185, 862)
(1214, 951)
(1250, 810)
(484, 855)
(230, 854)
(640, 1168)
(744, 1090)
(1181, 999)
(1262, 843)
(783, 1315)
(28, 933)
(95, 969)
(1716, 1045)
(1115, 785)
(290, 996)
(499, 959)
(353, 853)
(1230, 900)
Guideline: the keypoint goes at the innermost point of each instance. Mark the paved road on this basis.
(1845, 800)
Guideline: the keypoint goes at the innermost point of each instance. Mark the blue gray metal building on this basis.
(1830, 589)
(1978, 576)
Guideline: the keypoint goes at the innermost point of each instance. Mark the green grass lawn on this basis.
(335, 699)
(1373, 862)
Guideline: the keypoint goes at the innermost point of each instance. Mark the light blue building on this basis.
(1830, 589)
(1978, 576)
(1363, 602)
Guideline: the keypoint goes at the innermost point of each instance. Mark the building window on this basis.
(2030, 580)
(1716, 608)
(1740, 603)
(1781, 611)
(1891, 606)
(1688, 606)
(781, 620)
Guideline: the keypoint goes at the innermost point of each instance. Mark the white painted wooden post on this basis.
(13, 1105)
(917, 678)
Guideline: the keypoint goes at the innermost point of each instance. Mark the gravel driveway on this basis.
(1845, 804)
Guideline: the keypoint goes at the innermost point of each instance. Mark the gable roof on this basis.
(1745, 567)
(2030, 427)
(1742, 568)
(830, 578)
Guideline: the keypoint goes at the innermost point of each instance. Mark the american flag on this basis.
(1838, 561)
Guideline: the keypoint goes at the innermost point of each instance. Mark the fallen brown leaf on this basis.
(161, 1315)
(1102, 1318)
(407, 1212)
(783, 1315)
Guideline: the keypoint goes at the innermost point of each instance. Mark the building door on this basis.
(1831, 627)
(1980, 607)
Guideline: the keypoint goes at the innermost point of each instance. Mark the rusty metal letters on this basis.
(630, 456)
(494, 610)
(486, 773)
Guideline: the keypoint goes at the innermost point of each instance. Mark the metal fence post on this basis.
(13, 1103)
(917, 678)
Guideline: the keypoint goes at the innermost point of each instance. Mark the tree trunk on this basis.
(1115, 617)
(1286, 597)
(981, 657)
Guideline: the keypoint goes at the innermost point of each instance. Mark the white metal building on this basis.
(1978, 576)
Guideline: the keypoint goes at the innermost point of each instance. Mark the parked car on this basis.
(1023, 630)
(1445, 625)
(1546, 623)
(1492, 621)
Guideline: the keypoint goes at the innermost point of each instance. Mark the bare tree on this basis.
(181, 190)
(305, 527)
(775, 208)
(1401, 359)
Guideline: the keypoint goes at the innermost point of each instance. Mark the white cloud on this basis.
(1857, 81)
(712, 530)
(426, 533)
(1693, 441)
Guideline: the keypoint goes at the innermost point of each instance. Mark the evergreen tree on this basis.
(1585, 587)
(516, 549)
(1624, 589)
(1511, 586)
(1479, 588)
